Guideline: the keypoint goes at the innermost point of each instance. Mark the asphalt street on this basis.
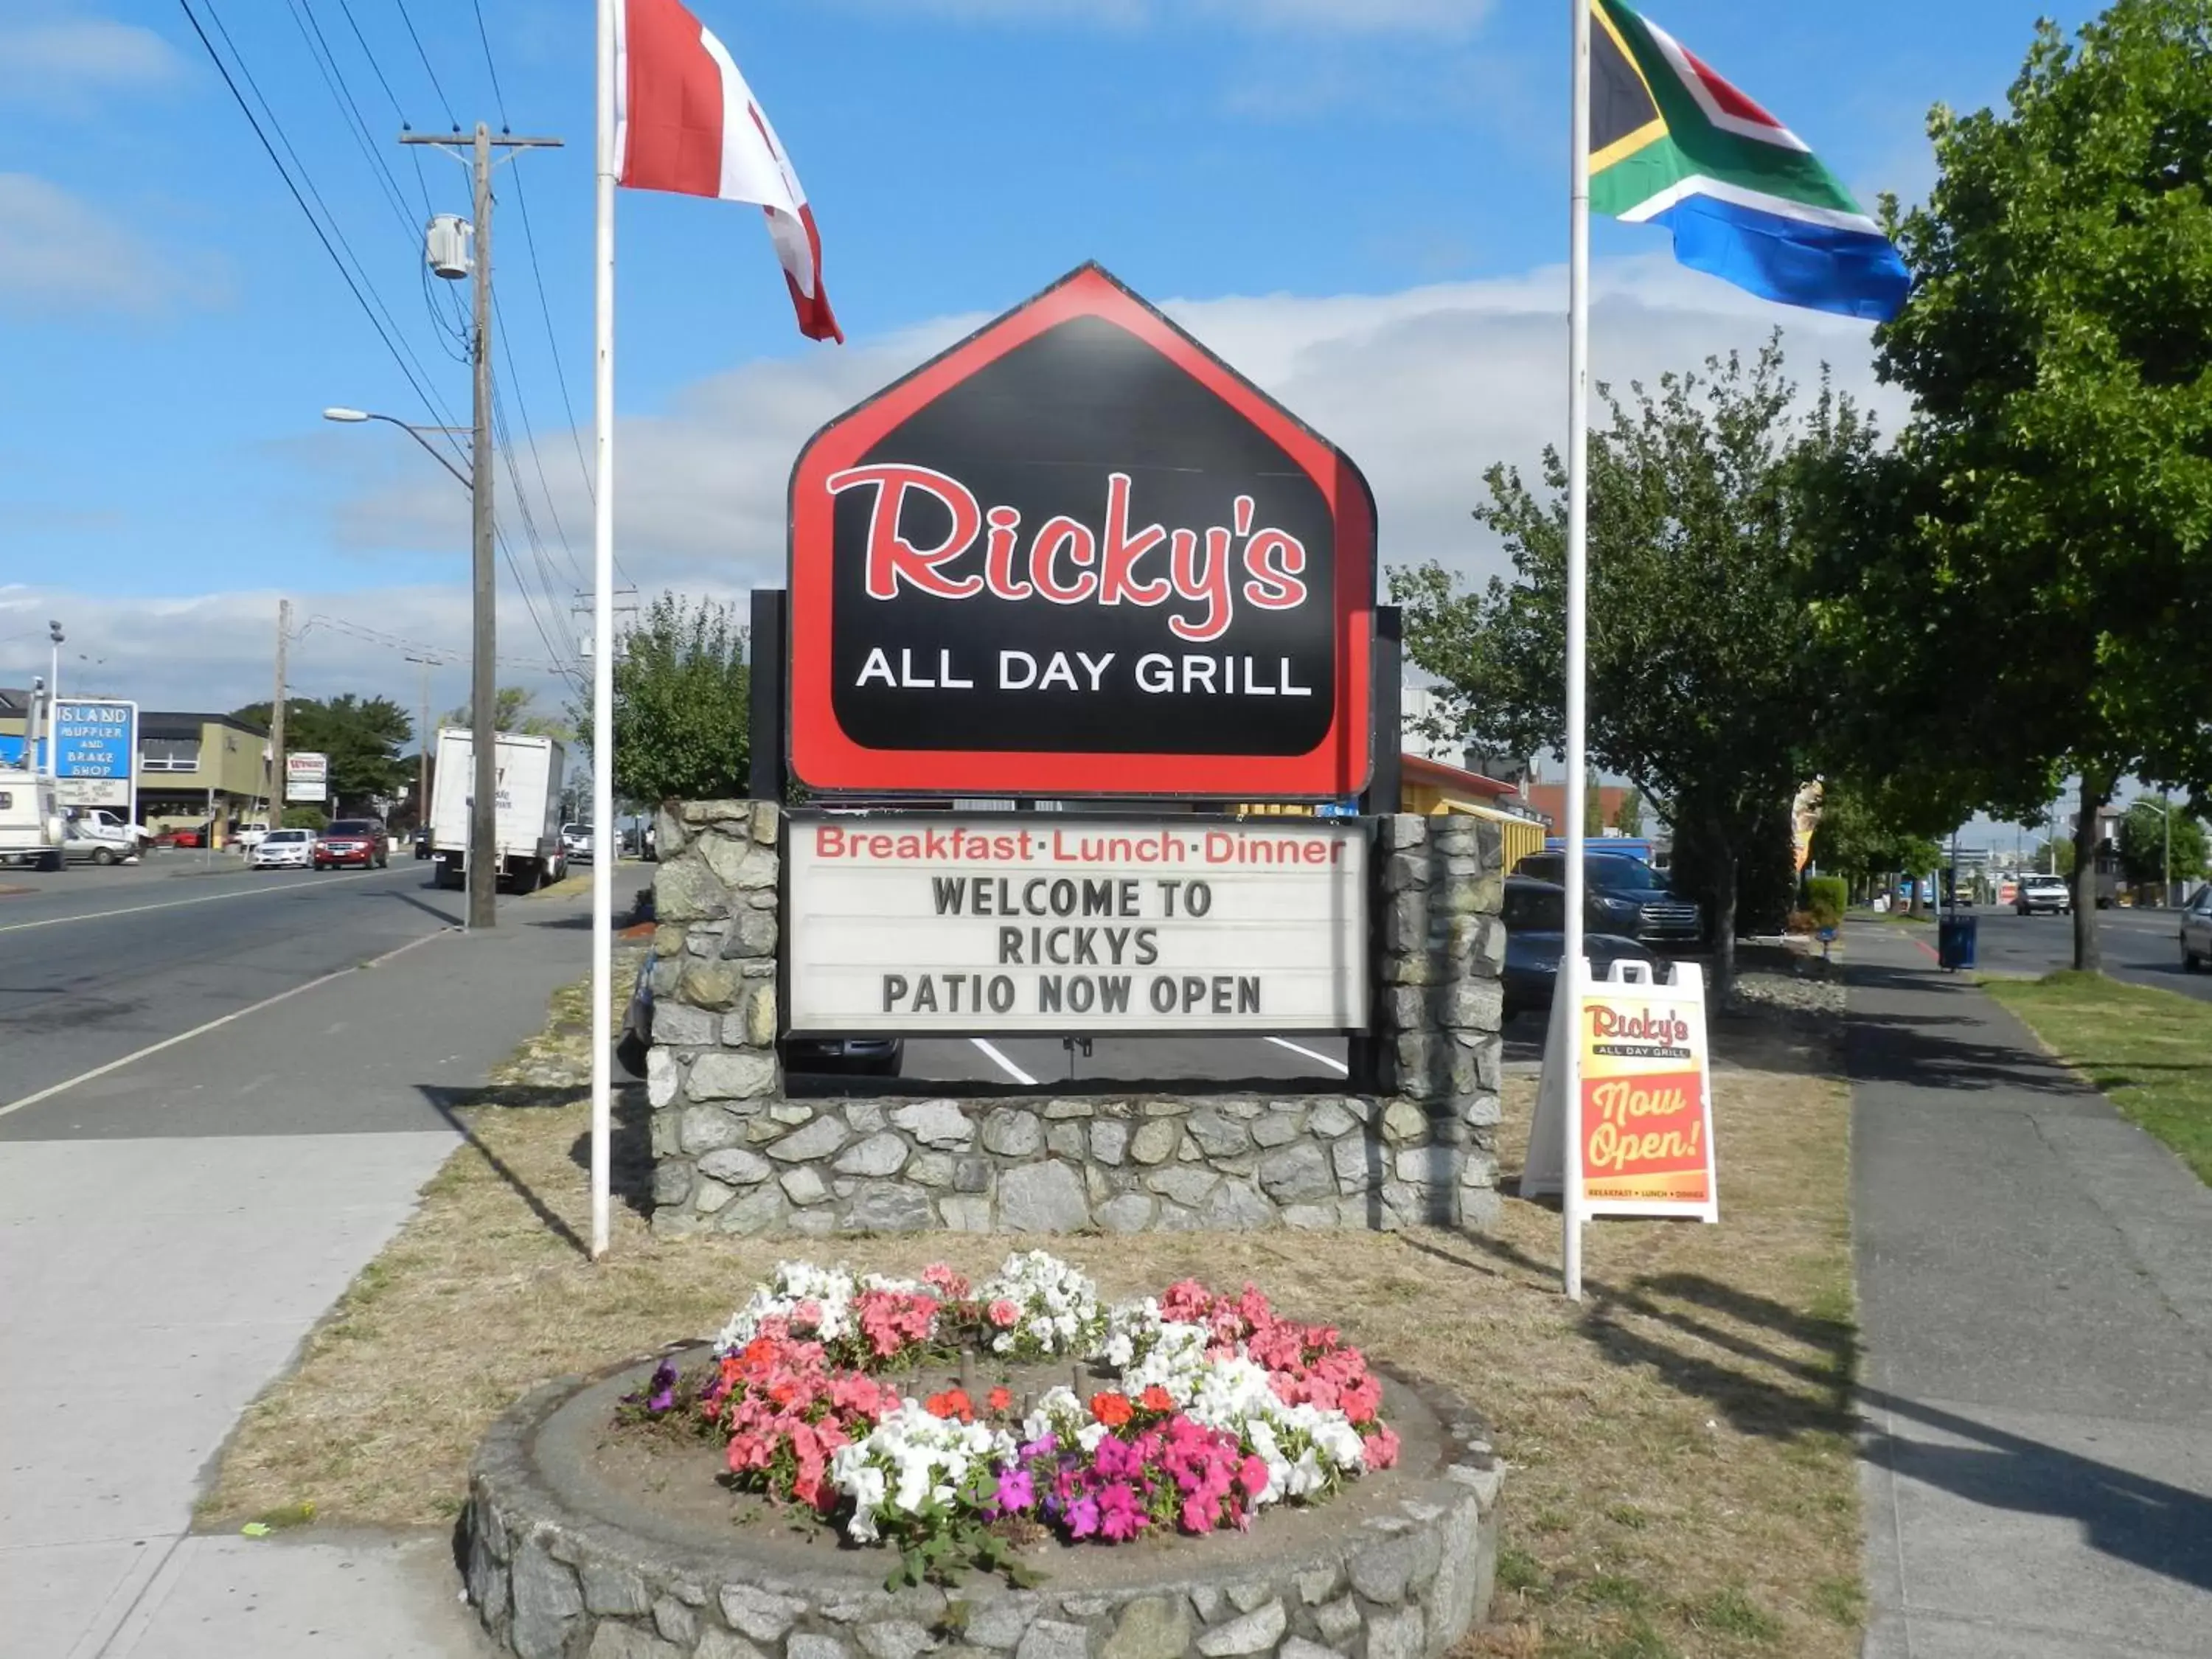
(219, 1095)
(105, 965)
(2139, 947)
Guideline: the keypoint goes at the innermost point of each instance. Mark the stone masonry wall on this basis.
(732, 1153)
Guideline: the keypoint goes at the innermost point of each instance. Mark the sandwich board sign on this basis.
(1642, 1143)
(1078, 555)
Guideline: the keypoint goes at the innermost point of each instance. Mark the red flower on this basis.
(1000, 1400)
(1156, 1399)
(1111, 1409)
(1002, 1313)
(953, 1402)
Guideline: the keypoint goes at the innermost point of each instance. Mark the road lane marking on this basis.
(173, 904)
(215, 1024)
(1336, 1066)
(1005, 1064)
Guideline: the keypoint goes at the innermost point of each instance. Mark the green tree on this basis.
(1866, 836)
(362, 736)
(2143, 842)
(2055, 857)
(1592, 808)
(682, 713)
(1628, 817)
(2025, 560)
(513, 709)
(1700, 684)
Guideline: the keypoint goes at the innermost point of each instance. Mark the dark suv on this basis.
(1623, 895)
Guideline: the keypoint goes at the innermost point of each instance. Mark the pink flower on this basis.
(1381, 1447)
(1252, 1475)
(1003, 1313)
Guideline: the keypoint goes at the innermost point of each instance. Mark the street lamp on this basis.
(53, 698)
(482, 866)
(354, 416)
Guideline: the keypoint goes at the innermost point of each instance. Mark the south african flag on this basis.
(1673, 143)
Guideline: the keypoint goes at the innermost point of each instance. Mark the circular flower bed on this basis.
(856, 1400)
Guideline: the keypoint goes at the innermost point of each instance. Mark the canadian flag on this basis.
(686, 121)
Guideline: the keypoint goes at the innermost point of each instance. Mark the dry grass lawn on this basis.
(1682, 1477)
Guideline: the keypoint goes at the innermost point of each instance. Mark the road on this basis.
(96, 965)
(2139, 946)
(219, 1095)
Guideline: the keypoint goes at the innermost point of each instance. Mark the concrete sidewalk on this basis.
(169, 1233)
(2035, 1277)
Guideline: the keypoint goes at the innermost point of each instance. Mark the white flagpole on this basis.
(605, 843)
(1573, 972)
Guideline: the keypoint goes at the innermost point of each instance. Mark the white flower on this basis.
(830, 1288)
(1058, 1307)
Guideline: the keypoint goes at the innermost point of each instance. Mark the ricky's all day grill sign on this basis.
(1078, 555)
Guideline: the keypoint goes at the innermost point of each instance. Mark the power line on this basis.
(306, 178)
(544, 312)
(497, 96)
(422, 185)
(450, 118)
(530, 438)
(413, 379)
(319, 48)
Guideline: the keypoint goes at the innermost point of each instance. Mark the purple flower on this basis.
(664, 1386)
(1017, 1491)
(1082, 1517)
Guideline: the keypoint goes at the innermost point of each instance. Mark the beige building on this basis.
(194, 769)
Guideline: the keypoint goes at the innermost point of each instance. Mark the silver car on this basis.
(2196, 932)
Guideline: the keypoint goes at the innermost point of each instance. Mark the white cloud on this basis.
(1424, 389)
(67, 61)
(60, 254)
(216, 652)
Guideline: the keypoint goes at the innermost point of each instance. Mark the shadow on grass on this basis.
(1798, 1395)
(451, 1103)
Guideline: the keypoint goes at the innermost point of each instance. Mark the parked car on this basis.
(1624, 897)
(874, 1056)
(81, 846)
(248, 837)
(283, 849)
(358, 842)
(1536, 916)
(577, 838)
(2044, 896)
(185, 834)
(2196, 932)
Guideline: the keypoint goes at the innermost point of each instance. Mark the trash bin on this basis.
(1954, 941)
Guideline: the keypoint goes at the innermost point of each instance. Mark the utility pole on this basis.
(483, 857)
(53, 705)
(2166, 845)
(277, 718)
(423, 746)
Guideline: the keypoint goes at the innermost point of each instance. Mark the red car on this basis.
(352, 841)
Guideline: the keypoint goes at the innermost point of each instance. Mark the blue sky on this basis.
(1361, 205)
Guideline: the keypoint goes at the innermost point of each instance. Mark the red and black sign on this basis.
(1078, 555)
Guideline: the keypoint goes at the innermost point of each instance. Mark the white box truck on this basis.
(31, 827)
(527, 819)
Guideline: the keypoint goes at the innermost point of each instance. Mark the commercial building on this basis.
(194, 768)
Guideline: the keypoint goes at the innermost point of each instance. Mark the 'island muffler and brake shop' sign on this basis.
(1077, 555)
(988, 922)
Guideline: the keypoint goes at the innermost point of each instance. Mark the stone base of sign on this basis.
(562, 1562)
(733, 1153)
